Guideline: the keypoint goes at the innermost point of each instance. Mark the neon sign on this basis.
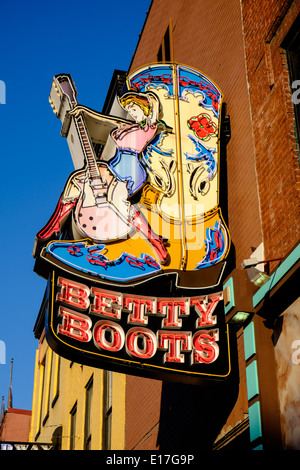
(137, 243)
(149, 205)
(172, 338)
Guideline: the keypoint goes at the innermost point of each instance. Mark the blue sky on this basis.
(38, 39)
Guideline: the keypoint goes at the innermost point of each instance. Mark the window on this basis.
(73, 416)
(291, 44)
(47, 363)
(56, 378)
(88, 414)
(41, 387)
(107, 410)
(57, 438)
(165, 51)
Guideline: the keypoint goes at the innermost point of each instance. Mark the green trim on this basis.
(252, 380)
(231, 304)
(284, 267)
(249, 341)
(255, 421)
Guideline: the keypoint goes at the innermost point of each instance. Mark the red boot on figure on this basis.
(140, 223)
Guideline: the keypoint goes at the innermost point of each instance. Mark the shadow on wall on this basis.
(192, 417)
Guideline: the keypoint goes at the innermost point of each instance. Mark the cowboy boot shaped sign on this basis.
(139, 219)
(149, 206)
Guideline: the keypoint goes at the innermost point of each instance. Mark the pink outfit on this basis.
(126, 165)
(134, 138)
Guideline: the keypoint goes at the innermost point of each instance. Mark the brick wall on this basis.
(208, 37)
(142, 413)
(177, 417)
(266, 24)
(238, 45)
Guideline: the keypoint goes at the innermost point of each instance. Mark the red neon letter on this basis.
(73, 293)
(75, 325)
(204, 308)
(106, 303)
(134, 338)
(108, 335)
(139, 308)
(174, 343)
(173, 309)
(206, 349)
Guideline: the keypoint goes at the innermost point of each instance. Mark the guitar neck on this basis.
(88, 149)
(63, 98)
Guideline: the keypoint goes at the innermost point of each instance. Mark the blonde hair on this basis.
(139, 100)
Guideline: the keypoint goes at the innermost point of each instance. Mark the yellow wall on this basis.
(58, 385)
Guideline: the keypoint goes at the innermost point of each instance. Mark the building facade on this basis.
(75, 407)
(272, 74)
(14, 427)
(250, 50)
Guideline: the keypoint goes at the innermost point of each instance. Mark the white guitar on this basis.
(102, 210)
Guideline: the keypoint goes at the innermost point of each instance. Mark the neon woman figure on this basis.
(132, 139)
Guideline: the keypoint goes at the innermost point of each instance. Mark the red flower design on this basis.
(202, 126)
